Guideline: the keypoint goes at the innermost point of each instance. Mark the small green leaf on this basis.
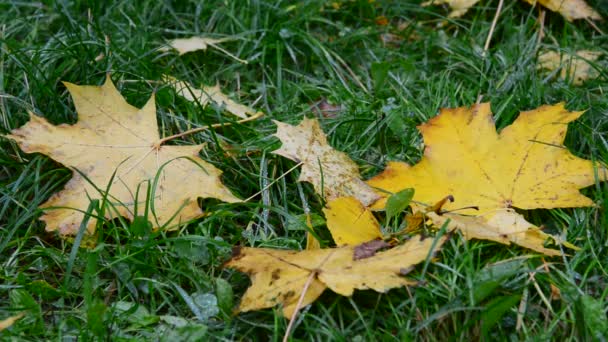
(225, 296)
(398, 202)
(495, 310)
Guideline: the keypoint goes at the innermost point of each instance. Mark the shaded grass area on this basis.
(137, 284)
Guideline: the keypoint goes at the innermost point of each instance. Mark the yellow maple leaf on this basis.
(525, 166)
(332, 173)
(279, 276)
(569, 9)
(575, 67)
(212, 94)
(350, 223)
(113, 136)
(504, 226)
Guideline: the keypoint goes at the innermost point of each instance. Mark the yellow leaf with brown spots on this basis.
(332, 173)
(117, 144)
(279, 276)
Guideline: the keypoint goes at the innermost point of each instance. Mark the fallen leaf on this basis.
(350, 223)
(208, 95)
(459, 7)
(326, 109)
(332, 173)
(185, 45)
(8, 322)
(112, 136)
(503, 226)
(574, 67)
(278, 276)
(526, 166)
(569, 9)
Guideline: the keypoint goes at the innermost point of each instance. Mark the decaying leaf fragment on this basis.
(350, 223)
(574, 67)
(332, 173)
(569, 9)
(526, 166)
(278, 276)
(208, 94)
(111, 136)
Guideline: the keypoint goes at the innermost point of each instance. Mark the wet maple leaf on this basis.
(332, 173)
(111, 136)
(525, 166)
(279, 276)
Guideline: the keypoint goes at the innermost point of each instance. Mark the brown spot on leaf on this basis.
(405, 270)
(368, 249)
(288, 295)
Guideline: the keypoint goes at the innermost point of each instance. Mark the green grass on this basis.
(134, 284)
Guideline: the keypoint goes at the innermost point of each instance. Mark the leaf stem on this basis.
(298, 305)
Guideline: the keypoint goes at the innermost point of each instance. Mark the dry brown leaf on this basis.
(332, 173)
(574, 67)
(113, 136)
(210, 94)
(278, 276)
